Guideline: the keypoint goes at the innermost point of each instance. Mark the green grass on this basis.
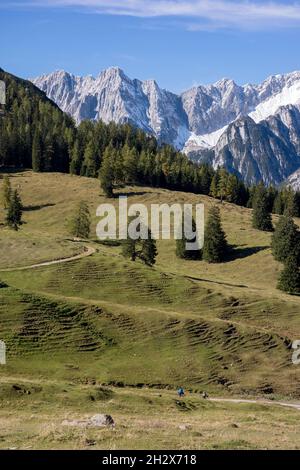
(105, 320)
(32, 417)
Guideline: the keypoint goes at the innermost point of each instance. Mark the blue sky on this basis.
(179, 43)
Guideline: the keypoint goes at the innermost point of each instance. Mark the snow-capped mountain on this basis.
(221, 121)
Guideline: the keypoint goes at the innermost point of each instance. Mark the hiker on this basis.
(180, 392)
(204, 395)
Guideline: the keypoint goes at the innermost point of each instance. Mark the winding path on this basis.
(287, 404)
(88, 251)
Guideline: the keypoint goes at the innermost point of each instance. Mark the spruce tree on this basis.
(286, 240)
(289, 279)
(148, 250)
(6, 192)
(261, 217)
(145, 250)
(215, 244)
(129, 249)
(81, 222)
(181, 246)
(14, 212)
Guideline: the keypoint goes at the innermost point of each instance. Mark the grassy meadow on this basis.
(102, 334)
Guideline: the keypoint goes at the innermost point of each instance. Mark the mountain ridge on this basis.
(194, 121)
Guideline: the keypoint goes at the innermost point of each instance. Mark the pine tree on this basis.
(81, 222)
(6, 192)
(106, 174)
(215, 244)
(14, 212)
(289, 279)
(286, 240)
(261, 217)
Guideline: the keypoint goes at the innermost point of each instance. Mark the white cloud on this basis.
(214, 13)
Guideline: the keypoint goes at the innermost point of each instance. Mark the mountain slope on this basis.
(200, 111)
(265, 151)
(30, 116)
(112, 96)
(200, 120)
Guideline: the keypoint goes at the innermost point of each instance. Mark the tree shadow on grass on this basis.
(37, 207)
(131, 193)
(235, 252)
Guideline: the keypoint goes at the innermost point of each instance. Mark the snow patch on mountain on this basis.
(289, 95)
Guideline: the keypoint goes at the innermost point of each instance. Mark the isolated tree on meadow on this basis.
(286, 240)
(215, 244)
(145, 250)
(289, 279)
(181, 245)
(148, 251)
(14, 212)
(81, 222)
(261, 217)
(129, 249)
(6, 192)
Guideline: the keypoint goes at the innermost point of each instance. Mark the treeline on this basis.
(35, 133)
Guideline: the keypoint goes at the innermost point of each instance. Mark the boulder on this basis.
(99, 421)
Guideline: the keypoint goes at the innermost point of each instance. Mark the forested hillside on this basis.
(35, 133)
